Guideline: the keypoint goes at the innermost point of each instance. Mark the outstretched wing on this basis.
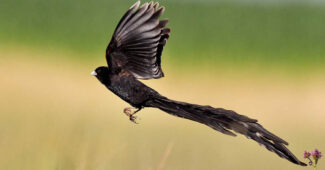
(138, 41)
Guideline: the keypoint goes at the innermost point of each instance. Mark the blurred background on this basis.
(261, 58)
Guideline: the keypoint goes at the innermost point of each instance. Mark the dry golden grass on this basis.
(55, 116)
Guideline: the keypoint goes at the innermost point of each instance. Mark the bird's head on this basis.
(102, 74)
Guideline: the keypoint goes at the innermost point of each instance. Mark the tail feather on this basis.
(227, 122)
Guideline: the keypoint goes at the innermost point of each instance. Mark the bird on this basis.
(134, 53)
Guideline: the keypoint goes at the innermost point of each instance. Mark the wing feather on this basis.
(134, 18)
(138, 41)
(126, 17)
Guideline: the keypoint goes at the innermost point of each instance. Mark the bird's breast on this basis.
(129, 89)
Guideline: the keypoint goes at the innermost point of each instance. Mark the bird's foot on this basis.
(128, 111)
(134, 119)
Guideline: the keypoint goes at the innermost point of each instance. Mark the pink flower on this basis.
(306, 154)
(316, 154)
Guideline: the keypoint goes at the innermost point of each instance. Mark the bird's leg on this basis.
(128, 112)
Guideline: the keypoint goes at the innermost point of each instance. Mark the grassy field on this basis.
(55, 116)
(223, 33)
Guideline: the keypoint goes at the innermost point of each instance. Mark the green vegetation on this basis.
(216, 33)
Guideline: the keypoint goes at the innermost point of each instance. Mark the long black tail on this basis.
(225, 120)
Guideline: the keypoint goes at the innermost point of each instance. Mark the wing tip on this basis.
(135, 5)
(156, 5)
(162, 8)
(145, 5)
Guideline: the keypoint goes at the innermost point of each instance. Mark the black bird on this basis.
(135, 53)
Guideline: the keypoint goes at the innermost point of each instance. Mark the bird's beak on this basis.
(93, 73)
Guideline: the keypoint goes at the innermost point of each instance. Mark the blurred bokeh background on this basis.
(261, 58)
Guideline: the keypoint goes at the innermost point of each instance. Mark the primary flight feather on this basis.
(134, 52)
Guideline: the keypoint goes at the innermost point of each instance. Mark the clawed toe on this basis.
(127, 111)
(134, 119)
(131, 114)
